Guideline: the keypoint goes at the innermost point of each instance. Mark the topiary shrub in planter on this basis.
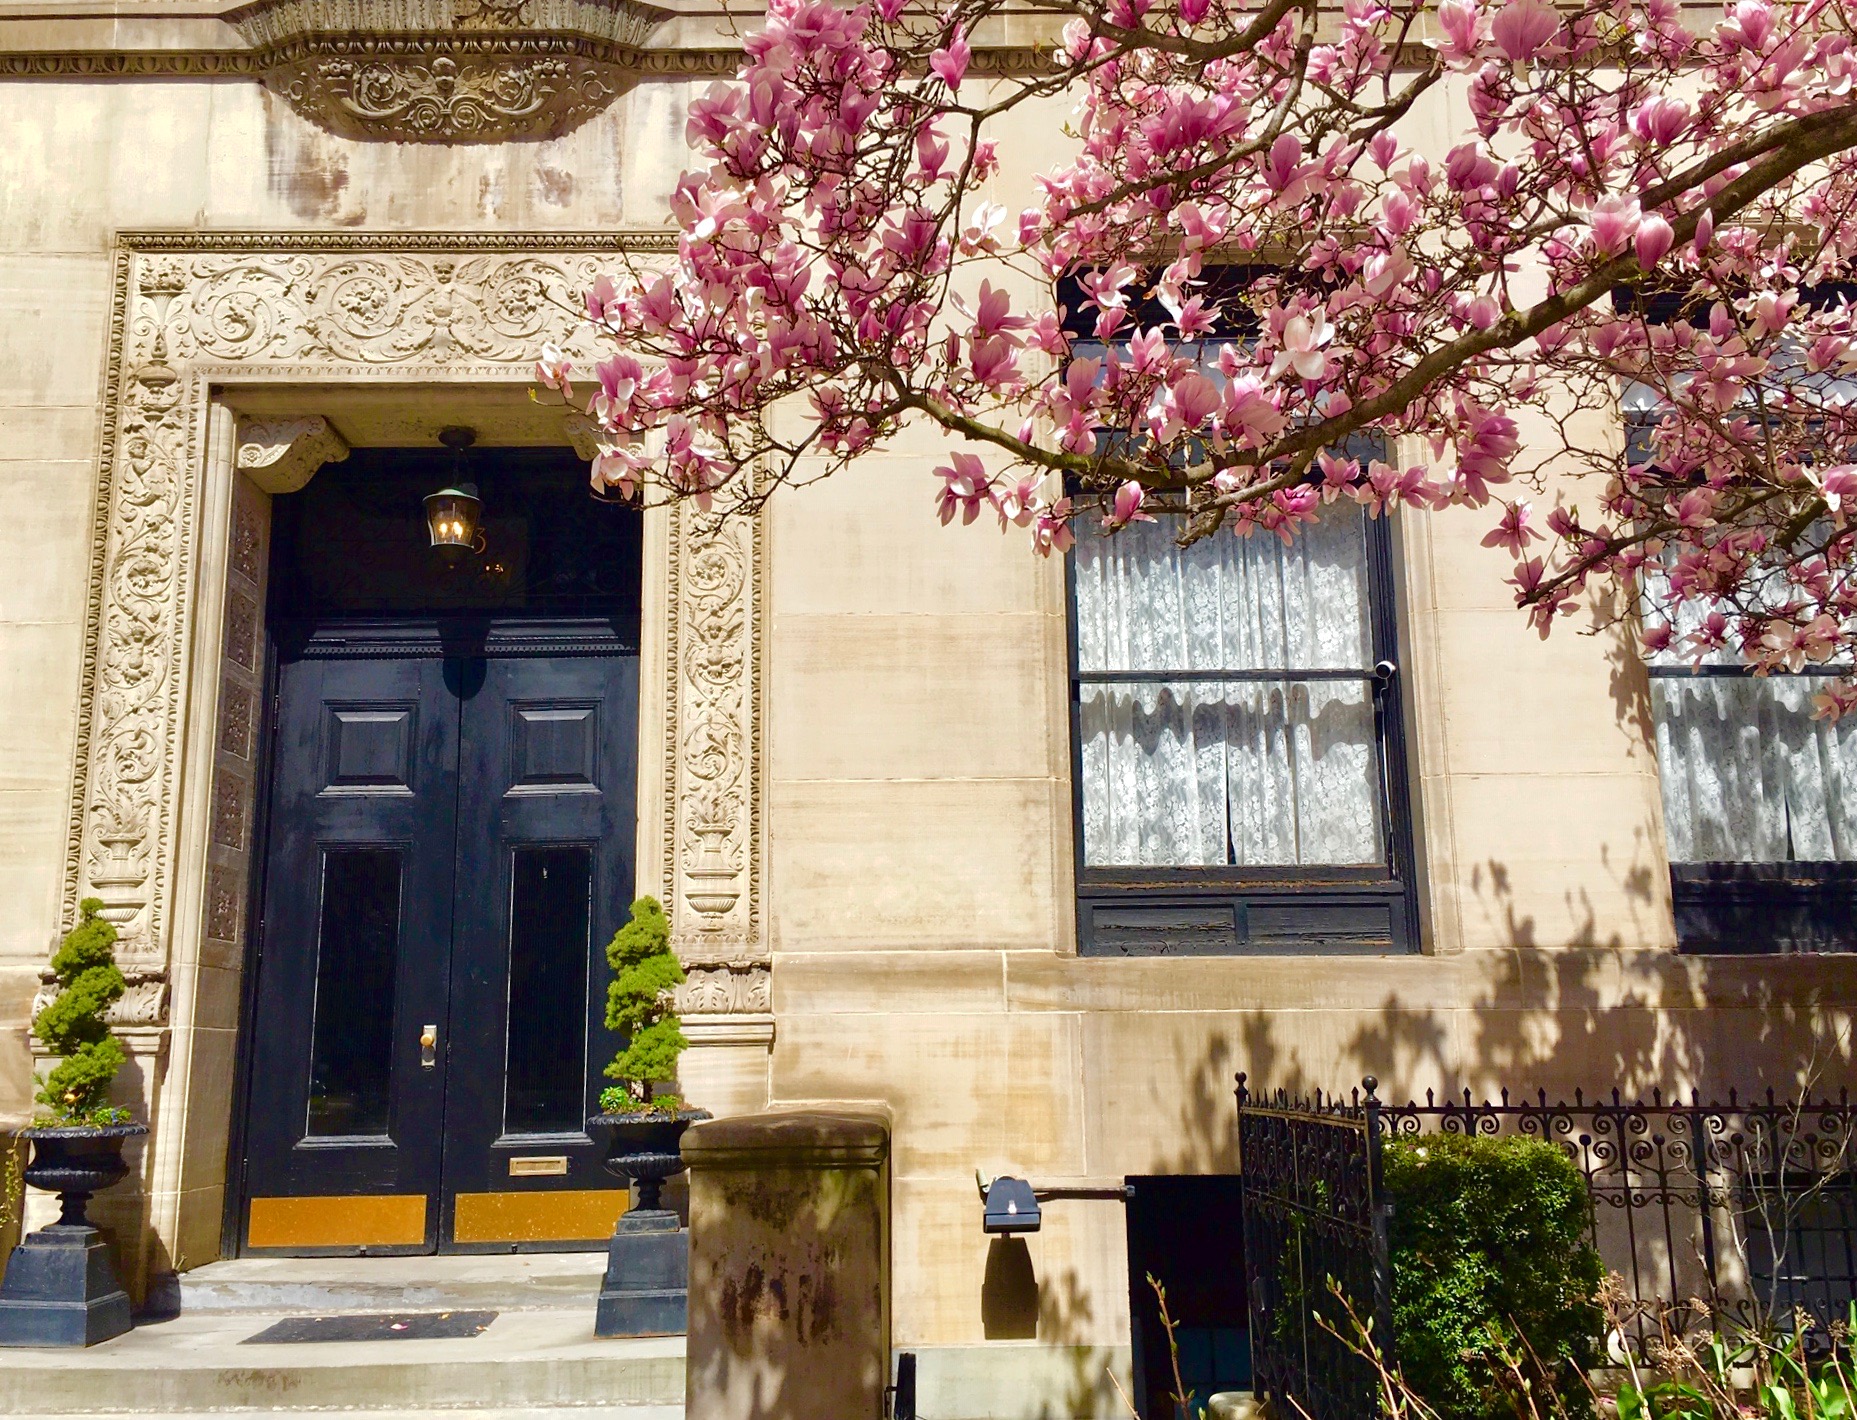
(644, 1292)
(638, 1005)
(1492, 1256)
(72, 1025)
(61, 1288)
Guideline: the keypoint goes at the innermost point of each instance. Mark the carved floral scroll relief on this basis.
(448, 71)
(191, 312)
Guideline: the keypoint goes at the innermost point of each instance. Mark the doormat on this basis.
(375, 1326)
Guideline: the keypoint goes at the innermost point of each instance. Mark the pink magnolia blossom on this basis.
(1523, 29)
(1653, 239)
(950, 63)
(964, 488)
(1051, 530)
(1463, 24)
(553, 369)
(1301, 348)
(1839, 484)
(1614, 222)
(602, 295)
(1512, 532)
(1126, 508)
(1612, 197)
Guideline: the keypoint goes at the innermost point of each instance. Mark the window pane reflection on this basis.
(545, 1079)
(351, 1058)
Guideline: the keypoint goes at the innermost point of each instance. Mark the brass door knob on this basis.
(428, 1047)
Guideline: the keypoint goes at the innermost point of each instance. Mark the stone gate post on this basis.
(789, 1265)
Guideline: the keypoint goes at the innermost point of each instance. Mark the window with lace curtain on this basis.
(1239, 761)
(1760, 808)
(1239, 770)
(1759, 798)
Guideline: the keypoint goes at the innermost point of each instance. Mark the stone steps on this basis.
(526, 1363)
(321, 1286)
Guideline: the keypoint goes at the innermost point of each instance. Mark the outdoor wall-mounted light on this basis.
(1011, 1204)
(452, 513)
(1011, 1207)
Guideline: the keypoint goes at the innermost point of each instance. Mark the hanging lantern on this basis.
(452, 513)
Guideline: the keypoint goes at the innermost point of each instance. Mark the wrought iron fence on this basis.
(1314, 1210)
(1742, 1207)
(1739, 1212)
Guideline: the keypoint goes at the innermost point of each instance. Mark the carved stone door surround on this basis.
(195, 313)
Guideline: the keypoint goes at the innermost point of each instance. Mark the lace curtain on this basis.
(1272, 770)
(1748, 775)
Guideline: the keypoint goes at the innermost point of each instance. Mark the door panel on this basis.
(354, 955)
(545, 848)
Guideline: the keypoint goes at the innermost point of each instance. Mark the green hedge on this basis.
(1491, 1253)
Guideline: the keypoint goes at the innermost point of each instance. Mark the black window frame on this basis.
(1277, 910)
(1756, 907)
(1743, 907)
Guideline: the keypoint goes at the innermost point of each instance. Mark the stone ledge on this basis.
(851, 1135)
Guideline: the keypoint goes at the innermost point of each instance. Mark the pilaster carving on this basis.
(192, 311)
(726, 990)
(281, 455)
(712, 765)
(143, 1003)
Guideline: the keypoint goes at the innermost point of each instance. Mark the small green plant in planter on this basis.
(72, 1025)
(638, 1004)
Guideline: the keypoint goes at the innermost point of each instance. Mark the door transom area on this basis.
(239, 361)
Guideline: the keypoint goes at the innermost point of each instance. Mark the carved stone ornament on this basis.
(726, 991)
(191, 312)
(281, 455)
(143, 1003)
(453, 71)
(712, 754)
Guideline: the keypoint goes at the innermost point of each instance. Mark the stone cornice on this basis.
(426, 243)
(245, 64)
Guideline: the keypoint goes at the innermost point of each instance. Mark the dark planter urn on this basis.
(61, 1288)
(646, 1290)
(643, 1148)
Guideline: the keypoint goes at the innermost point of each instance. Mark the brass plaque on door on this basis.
(538, 1166)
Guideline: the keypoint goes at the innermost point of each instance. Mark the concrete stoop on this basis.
(528, 1364)
(542, 1281)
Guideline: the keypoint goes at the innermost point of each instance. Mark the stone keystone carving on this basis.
(281, 455)
(470, 71)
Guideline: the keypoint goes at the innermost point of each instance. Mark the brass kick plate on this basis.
(392, 1220)
(565, 1215)
(538, 1166)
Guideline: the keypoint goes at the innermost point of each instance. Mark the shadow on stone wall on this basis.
(1555, 1020)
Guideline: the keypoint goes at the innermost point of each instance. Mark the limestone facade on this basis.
(217, 274)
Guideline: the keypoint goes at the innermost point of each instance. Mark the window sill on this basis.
(1161, 919)
(1759, 909)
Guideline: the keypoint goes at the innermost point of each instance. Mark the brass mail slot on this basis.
(538, 1166)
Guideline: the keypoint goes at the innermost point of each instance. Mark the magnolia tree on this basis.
(1632, 198)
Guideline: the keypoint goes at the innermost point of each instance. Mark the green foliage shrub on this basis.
(1492, 1256)
(72, 1024)
(638, 1005)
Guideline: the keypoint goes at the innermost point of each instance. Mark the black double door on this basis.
(449, 846)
